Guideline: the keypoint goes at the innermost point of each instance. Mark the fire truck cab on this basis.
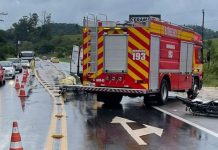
(140, 59)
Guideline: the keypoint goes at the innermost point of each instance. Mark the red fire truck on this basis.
(140, 59)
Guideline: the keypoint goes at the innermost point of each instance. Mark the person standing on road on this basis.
(32, 65)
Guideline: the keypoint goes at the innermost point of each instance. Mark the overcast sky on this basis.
(72, 11)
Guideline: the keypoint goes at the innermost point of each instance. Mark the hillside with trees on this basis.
(41, 35)
(65, 29)
(208, 33)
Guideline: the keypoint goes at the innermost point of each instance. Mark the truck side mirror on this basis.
(201, 56)
(208, 56)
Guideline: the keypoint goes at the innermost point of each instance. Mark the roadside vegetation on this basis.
(211, 68)
(50, 39)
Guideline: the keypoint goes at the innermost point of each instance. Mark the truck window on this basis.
(200, 55)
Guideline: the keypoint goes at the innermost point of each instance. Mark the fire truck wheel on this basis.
(109, 98)
(163, 94)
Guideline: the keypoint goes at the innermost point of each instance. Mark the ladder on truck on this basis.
(92, 25)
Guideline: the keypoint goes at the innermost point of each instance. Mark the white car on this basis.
(25, 63)
(9, 69)
(16, 63)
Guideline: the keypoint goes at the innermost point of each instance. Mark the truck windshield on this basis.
(26, 54)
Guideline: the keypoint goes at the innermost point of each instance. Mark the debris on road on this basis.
(201, 107)
(70, 80)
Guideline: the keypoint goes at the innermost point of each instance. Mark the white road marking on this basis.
(188, 122)
(138, 132)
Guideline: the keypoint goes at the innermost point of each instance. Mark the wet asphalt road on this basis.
(105, 128)
(32, 114)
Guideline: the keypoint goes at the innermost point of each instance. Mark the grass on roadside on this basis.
(64, 59)
(210, 78)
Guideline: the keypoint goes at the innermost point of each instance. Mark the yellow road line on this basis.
(64, 141)
(52, 128)
(54, 119)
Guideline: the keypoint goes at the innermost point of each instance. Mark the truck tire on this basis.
(193, 93)
(109, 98)
(162, 96)
(2, 83)
(146, 99)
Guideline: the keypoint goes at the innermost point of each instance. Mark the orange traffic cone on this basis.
(24, 72)
(17, 84)
(15, 138)
(27, 72)
(22, 92)
(22, 86)
(24, 79)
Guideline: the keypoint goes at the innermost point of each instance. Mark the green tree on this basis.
(45, 29)
(26, 45)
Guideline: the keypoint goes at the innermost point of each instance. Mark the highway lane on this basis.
(130, 125)
(32, 114)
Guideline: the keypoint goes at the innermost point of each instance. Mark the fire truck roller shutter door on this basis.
(115, 53)
(189, 58)
(183, 57)
(186, 55)
(154, 62)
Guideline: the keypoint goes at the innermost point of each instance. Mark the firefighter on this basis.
(32, 65)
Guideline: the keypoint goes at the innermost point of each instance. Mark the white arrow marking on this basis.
(139, 132)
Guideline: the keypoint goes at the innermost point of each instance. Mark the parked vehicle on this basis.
(54, 60)
(17, 63)
(9, 69)
(25, 63)
(37, 59)
(2, 76)
(44, 57)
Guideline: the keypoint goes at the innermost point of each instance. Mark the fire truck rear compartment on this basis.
(115, 53)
